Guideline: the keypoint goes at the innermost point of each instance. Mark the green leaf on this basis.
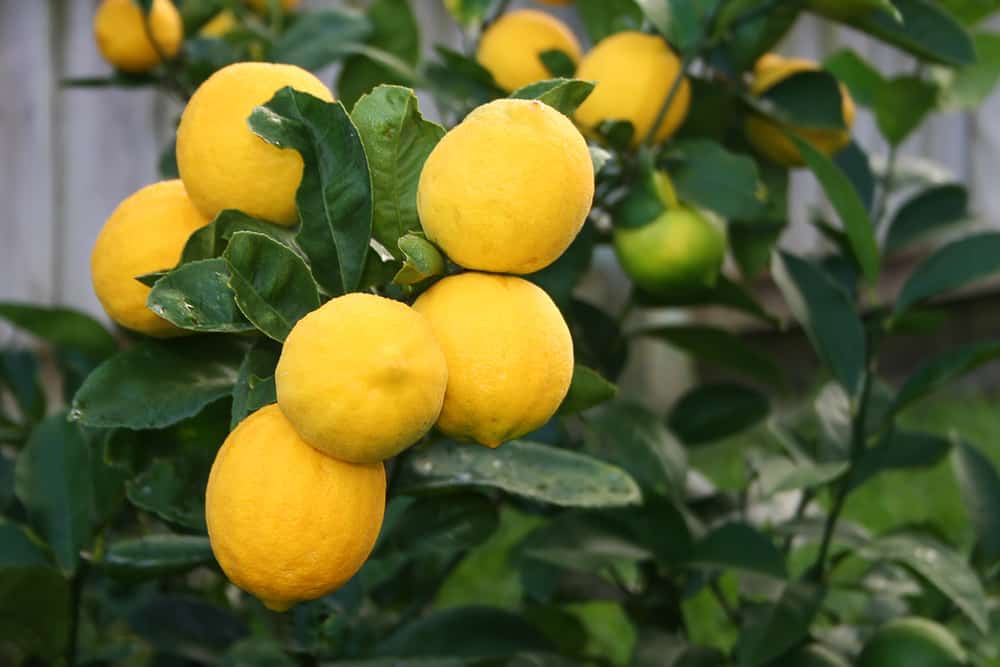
(335, 197)
(582, 542)
(397, 141)
(779, 474)
(606, 17)
(444, 524)
(707, 174)
(929, 211)
(587, 390)
(952, 266)
(559, 279)
(810, 99)
(739, 546)
(563, 94)
(65, 328)
(826, 314)
(940, 565)
(846, 201)
(558, 63)
(901, 450)
(154, 384)
(164, 490)
(780, 626)
(53, 483)
(677, 20)
(317, 39)
(967, 88)
(197, 296)
(155, 556)
(19, 548)
(616, 134)
(273, 286)
(631, 436)
(422, 260)
(258, 652)
(185, 626)
(926, 30)
(970, 12)
(719, 348)
(254, 386)
(212, 240)
(394, 31)
(725, 293)
(145, 5)
(901, 104)
(34, 604)
(461, 80)
(521, 468)
(711, 412)
(647, 198)
(20, 371)
(860, 77)
(468, 13)
(472, 633)
(979, 484)
(944, 369)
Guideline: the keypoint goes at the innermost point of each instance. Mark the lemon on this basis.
(146, 233)
(912, 642)
(634, 73)
(511, 47)
(220, 24)
(509, 352)
(123, 38)
(362, 378)
(508, 189)
(265, 5)
(769, 138)
(286, 522)
(680, 252)
(222, 162)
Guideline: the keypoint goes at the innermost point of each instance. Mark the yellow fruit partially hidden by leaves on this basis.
(634, 73)
(145, 234)
(509, 352)
(913, 642)
(362, 378)
(511, 48)
(286, 522)
(508, 189)
(677, 254)
(222, 162)
(220, 24)
(123, 38)
(264, 5)
(769, 137)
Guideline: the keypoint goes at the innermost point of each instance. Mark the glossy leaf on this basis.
(711, 176)
(154, 556)
(254, 386)
(422, 260)
(163, 490)
(212, 240)
(720, 348)
(739, 546)
(854, 162)
(780, 626)
(810, 99)
(587, 390)
(562, 94)
(952, 266)
(929, 211)
(197, 296)
(680, 21)
(558, 63)
(318, 38)
(396, 32)
(979, 484)
(606, 17)
(461, 80)
(924, 29)
(901, 104)
(182, 625)
(711, 412)
(443, 524)
(65, 328)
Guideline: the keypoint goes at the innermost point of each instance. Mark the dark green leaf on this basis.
(19, 548)
(606, 17)
(680, 21)
(155, 556)
(617, 134)
(560, 278)
(65, 328)
(167, 166)
(944, 369)
(154, 384)
(709, 175)
(967, 88)
(462, 80)
(34, 608)
(647, 198)
(211, 240)
(863, 80)
(468, 12)
(20, 371)
(725, 293)
(564, 95)
(853, 161)
(197, 296)
(901, 450)
(317, 39)
(711, 412)
(953, 266)
(255, 381)
(53, 483)
(779, 474)
(826, 314)
(445, 524)
(720, 348)
(335, 197)
(394, 31)
(597, 339)
(780, 626)
(739, 546)
(925, 30)
(980, 486)
(901, 104)
(422, 260)
(522, 468)
(273, 286)
(747, 40)
(582, 542)
(185, 626)
(929, 211)
(258, 652)
(810, 99)
(163, 490)
(558, 63)
(587, 390)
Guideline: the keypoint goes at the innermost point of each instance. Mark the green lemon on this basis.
(913, 642)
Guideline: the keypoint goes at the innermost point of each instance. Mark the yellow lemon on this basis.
(913, 642)
(222, 162)
(123, 38)
(264, 5)
(634, 73)
(508, 189)
(509, 352)
(769, 138)
(146, 233)
(220, 24)
(286, 522)
(511, 48)
(362, 378)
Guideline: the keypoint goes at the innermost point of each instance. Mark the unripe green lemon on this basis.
(913, 642)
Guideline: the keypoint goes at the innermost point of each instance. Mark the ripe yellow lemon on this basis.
(509, 352)
(912, 642)
(769, 138)
(362, 378)
(264, 5)
(146, 233)
(286, 522)
(511, 48)
(123, 38)
(222, 162)
(634, 73)
(220, 24)
(678, 253)
(508, 189)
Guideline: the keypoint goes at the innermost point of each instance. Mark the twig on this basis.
(886, 184)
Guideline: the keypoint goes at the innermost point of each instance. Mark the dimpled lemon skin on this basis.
(508, 189)
(768, 137)
(511, 48)
(634, 73)
(123, 40)
(362, 378)
(222, 162)
(912, 642)
(509, 352)
(286, 522)
(146, 233)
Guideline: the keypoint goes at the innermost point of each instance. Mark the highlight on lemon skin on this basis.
(634, 73)
(145, 233)
(768, 137)
(286, 522)
(511, 47)
(222, 162)
(123, 38)
(508, 189)
(362, 378)
(509, 353)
